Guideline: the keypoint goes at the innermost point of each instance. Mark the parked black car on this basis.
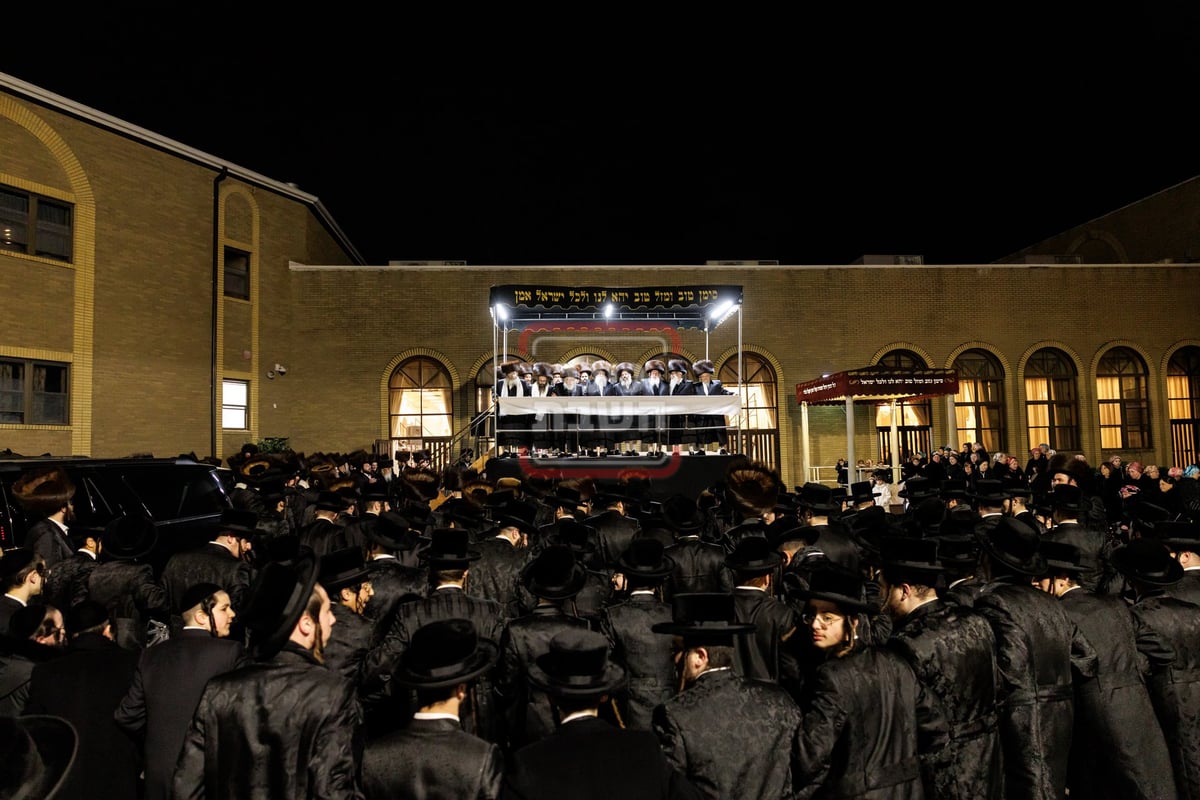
(183, 498)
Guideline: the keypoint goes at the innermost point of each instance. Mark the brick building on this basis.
(160, 299)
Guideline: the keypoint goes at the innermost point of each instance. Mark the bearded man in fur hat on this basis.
(46, 495)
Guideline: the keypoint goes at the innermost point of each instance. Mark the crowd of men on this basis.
(361, 627)
(623, 428)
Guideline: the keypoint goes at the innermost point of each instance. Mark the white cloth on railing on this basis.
(616, 405)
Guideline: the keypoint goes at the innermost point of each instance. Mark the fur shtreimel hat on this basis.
(677, 365)
(600, 365)
(655, 364)
(43, 491)
(703, 366)
(626, 366)
(752, 489)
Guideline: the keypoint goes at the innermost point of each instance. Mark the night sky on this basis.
(634, 141)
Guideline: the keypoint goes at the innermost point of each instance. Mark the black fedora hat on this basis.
(837, 585)
(449, 548)
(565, 497)
(341, 568)
(682, 515)
(1176, 534)
(1015, 545)
(517, 514)
(790, 529)
(753, 555)
(555, 574)
(818, 497)
(990, 491)
(908, 560)
(444, 653)
(276, 600)
(392, 531)
(576, 665)
(1063, 557)
(39, 753)
(860, 492)
(331, 501)
(129, 538)
(645, 558)
(1147, 561)
(15, 560)
(703, 618)
(954, 489)
(1066, 497)
(576, 535)
(917, 488)
(241, 522)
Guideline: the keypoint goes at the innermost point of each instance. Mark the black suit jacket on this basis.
(209, 563)
(588, 758)
(132, 596)
(67, 583)
(166, 687)
(432, 759)
(85, 686)
(45, 538)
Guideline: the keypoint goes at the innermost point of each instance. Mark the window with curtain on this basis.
(1183, 401)
(419, 399)
(1123, 394)
(914, 424)
(235, 404)
(1051, 399)
(758, 388)
(979, 404)
(37, 225)
(34, 392)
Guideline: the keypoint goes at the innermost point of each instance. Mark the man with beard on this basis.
(283, 726)
(46, 495)
(513, 430)
(953, 653)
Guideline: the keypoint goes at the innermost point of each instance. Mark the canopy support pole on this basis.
(850, 462)
(895, 443)
(805, 458)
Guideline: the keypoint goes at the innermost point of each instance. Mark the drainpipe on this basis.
(214, 400)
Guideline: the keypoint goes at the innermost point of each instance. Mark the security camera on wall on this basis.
(280, 369)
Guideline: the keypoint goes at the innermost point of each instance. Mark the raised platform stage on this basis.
(675, 473)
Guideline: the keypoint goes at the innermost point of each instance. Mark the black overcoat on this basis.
(763, 656)
(285, 728)
(729, 735)
(1118, 750)
(1036, 646)
(432, 759)
(866, 721)
(646, 656)
(953, 653)
(699, 567)
(132, 596)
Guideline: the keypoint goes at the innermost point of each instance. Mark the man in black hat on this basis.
(22, 577)
(67, 584)
(450, 557)
(1169, 637)
(554, 577)
(502, 556)
(84, 686)
(170, 677)
(699, 564)
(343, 574)
(586, 757)
(615, 529)
(953, 653)
(1037, 645)
(375, 500)
(766, 655)
(127, 586)
(645, 656)
(1117, 746)
(678, 385)
(992, 502)
(392, 580)
(325, 532)
(820, 507)
(225, 561)
(1182, 539)
(1067, 502)
(724, 732)
(433, 757)
(601, 586)
(254, 725)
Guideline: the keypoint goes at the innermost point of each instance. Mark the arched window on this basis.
(914, 425)
(979, 404)
(419, 401)
(1183, 399)
(1051, 399)
(1124, 400)
(759, 390)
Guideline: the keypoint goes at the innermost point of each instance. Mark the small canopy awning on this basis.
(873, 384)
(876, 384)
